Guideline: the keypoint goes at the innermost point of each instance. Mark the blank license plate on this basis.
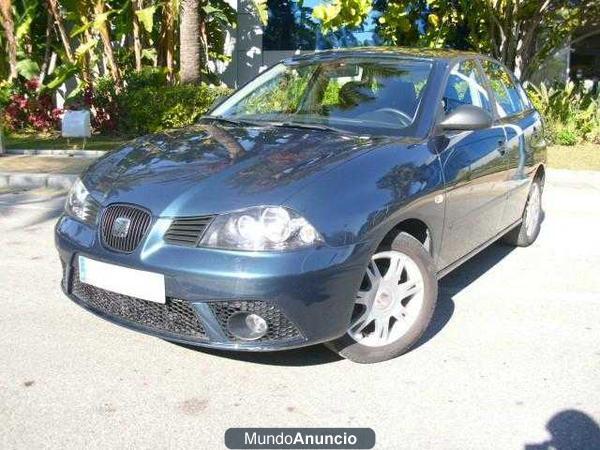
(122, 280)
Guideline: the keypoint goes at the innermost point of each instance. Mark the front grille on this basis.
(176, 316)
(280, 328)
(187, 230)
(138, 226)
(65, 278)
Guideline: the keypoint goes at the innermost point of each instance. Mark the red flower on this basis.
(57, 113)
(32, 84)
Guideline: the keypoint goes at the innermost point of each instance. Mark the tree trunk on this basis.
(167, 38)
(526, 49)
(189, 41)
(526, 59)
(137, 44)
(47, 51)
(64, 37)
(108, 51)
(11, 40)
(86, 61)
(203, 34)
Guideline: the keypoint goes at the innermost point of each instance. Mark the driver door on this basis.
(474, 166)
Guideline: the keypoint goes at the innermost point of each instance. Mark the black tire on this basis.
(350, 349)
(519, 236)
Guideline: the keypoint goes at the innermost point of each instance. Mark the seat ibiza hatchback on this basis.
(319, 203)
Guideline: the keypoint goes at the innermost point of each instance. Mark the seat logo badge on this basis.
(120, 227)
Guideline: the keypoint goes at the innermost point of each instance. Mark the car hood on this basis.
(212, 168)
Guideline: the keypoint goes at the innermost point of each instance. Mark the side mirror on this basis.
(466, 117)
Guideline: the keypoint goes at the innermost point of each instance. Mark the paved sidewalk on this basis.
(43, 164)
(55, 152)
(30, 172)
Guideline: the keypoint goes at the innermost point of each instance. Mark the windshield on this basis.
(351, 94)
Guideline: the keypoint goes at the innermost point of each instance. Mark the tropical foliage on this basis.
(519, 33)
(342, 13)
(571, 115)
(52, 40)
(126, 60)
(146, 102)
(27, 106)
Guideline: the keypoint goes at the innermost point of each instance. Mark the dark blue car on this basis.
(320, 203)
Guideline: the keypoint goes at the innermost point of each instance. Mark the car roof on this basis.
(409, 52)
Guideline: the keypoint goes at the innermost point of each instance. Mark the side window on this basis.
(507, 96)
(466, 86)
(524, 97)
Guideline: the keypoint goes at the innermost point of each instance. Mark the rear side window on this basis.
(524, 98)
(507, 97)
(465, 86)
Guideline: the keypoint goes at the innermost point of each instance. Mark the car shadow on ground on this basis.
(457, 280)
(449, 286)
(306, 356)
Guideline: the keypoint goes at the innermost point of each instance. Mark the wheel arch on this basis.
(540, 174)
(413, 227)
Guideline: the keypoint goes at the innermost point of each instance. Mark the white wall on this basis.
(245, 47)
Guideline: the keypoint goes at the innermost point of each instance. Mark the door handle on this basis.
(502, 147)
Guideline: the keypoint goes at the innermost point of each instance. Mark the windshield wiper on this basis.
(286, 124)
(228, 120)
(309, 126)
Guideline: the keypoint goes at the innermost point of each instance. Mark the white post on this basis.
(569, 49)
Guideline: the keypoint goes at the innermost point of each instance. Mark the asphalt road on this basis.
(512, 359)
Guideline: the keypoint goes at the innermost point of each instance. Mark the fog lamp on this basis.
(247, 326)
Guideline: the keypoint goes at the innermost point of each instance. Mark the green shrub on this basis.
(146, 103)
(6, 91)
(566, 136)
(151, 109)
(570, 115)
(147, 77)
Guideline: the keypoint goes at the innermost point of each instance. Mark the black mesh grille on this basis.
(65, 272)
(113, 236)
(280, 328)
(187, 230)
(175, 316)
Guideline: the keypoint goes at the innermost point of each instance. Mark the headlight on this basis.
(260, 228)
(80, 204)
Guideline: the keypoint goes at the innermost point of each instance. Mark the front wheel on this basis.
(394, 303)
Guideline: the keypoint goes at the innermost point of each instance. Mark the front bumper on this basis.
(307, 295)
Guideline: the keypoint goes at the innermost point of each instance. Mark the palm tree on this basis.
(166, 49)
(6, 14)
(64, 36)
(104, 30)
(189, 41)
(137, 42)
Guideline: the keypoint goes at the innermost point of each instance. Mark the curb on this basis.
(568, 176)
(37, 180)
(55, 152)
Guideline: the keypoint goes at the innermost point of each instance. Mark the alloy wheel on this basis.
(389, 300)
(534, 209)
